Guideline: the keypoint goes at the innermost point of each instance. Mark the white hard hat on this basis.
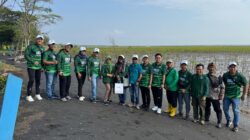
(51, 42)
(96, 50)
(145, 56)
(40, 36)
(135, 56)
(184, 62)
(232, 63)
(82, 48)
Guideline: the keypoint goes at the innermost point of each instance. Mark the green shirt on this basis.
(172, 78)
(146, 72)
(107, 69)
(233, 84)
(32, 54)
(184, 80)
(94, 66)
(50, 56)
(158, 71)
(64, 61)
(199, 86)
(80, 63)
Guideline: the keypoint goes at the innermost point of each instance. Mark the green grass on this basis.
(169, 49)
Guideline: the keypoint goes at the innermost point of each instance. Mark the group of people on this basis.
(199, 90)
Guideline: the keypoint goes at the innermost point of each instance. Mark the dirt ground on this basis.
(74, 120)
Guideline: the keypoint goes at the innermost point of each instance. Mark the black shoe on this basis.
(142, 106)
(110, 101)
(229, 123)
(235, 129)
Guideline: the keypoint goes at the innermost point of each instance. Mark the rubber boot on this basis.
(173, 112)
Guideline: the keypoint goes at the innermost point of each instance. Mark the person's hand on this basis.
(110, 75)
(203, 102)
(79, 75)
(137, 83)
(61, 73)
(149, 87)
(89, 78)
(55, 62)
(36, 63)
(162, 86)
(183, 91)
(243, 97)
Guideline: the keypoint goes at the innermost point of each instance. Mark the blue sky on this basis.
(152, 22)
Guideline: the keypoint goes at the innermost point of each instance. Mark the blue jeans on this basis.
(122, 97)
(186, 98)
(94, 83)
(50, 84)
(134, 94)
(236, 110)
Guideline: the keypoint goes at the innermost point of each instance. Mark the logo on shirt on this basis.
(38, 53)
(230, 82)
(96, 64)
(83, 62)
(156, 71)
(67, 60)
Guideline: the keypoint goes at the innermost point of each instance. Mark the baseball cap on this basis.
(135, 56)
(145, 56)
(40, 37)
(123, 57)
(184, 62)
(170, 60)
(232, 63)
(96, 50)
(51, 42)
(69, 44)
(82, 48)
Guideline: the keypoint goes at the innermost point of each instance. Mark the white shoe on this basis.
(30, 99)
(38, 97)
(138, 107)
(158, 111)
(64, 100)
(155, 108)
(68, 98)
(81, 98)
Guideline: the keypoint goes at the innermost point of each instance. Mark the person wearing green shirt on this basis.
(172, 77)
(144, 83)
(233, 81)
(64, 70)
(107, 71)
(183, 89)
(94, 72)
(157, 81)
(50, 67)
(80, 63)
(33, 55)
(199, 91)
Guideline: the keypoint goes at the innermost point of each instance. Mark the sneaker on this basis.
(155, 108)
(142, 106)
(38, 97)
(202, 122)
(106, 103)
(130, 105)
(218, 125)
(138, 107)
(235, 129)
(229, 123)
(68, 97)
(81, 98)
(124, 104)
(93, 101)
(195, 121)
(64, 100)
(29, 99)
(110, 101)
(158, 111)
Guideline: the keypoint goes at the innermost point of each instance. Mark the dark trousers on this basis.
(217, 109)
(172, 98)
(34, 76)
(157, 95)
(81, 81)
(64, 82)
(145, 93)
